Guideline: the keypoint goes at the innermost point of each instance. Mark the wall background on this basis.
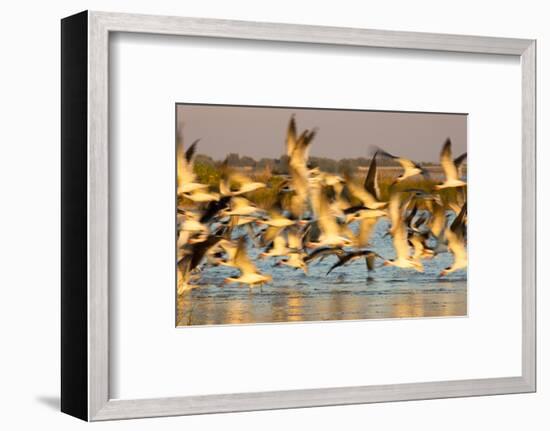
(29, 216)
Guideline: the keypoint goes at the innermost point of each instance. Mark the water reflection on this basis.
(343, 302)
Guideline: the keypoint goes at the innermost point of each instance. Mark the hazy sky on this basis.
(260, 132)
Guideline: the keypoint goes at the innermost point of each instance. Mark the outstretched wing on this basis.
(291, 136)
(362, 194)
(460, 159)
(327, 222)
(294, 239)
(191, 151)
(341, 261)
(371, 182)
(184, 163)
(458, 226)
(447, 163)
(242, 261)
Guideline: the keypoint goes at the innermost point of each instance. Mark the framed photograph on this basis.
(322, 208)
(264, 216)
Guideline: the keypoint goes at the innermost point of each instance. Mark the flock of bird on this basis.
(313, 216)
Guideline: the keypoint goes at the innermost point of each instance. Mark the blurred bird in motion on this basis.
(315, 215)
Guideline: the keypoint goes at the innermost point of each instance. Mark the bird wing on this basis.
(239, 177)
(418, 246)
(191, 152)
(419, 222)
(400, 242)
(371, 181)
(200, 249)
(438, 220)
(323, 252)
(184, 163)
(406, 163)
(298, 170)
(271, 233)
(294, 240)
(386, 154)
(342, 260)
(371, 258)
(242, 206)
(225, 190)
(460, 159)
(447, 163)
(365, 229)
(242, 261)
(307, 141)
(238, 202)
(362, 194)
(299, 156)
(298, 177)
(312, 232)
(398, 229)
(230, 249)
(291, 137)
(336, 265)
(213, 208)
(458, 226)
(410, 216)
(394, 208)
(279, 243)
(456, 246)
(327, 222)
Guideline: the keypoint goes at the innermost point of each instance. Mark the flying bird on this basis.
(297, 149)
(323, 252)
(330, 230)
(450, 167)
(249, 273)
(351, 256)
(410, 168)
(295, 253)
(276, 248)
(400, 239)
(456, 236)
(185, 175)
(243, 183)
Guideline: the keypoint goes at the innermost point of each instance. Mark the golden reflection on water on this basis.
(234, 313)
(295, 309)
(293, 305)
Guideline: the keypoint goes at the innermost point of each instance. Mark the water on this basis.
(344, 294)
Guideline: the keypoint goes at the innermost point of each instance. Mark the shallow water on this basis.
(347, 293)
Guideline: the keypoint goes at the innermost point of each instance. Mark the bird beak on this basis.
(386, 263)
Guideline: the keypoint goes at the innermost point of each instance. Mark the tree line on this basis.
(280, 165)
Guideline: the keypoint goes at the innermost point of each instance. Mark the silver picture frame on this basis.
(85, 215)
